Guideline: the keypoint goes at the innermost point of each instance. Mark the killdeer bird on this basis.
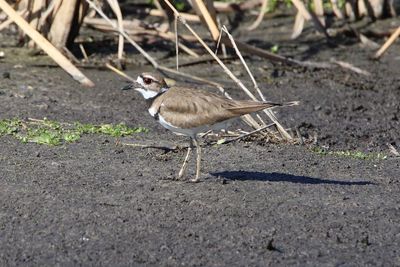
(189, 112)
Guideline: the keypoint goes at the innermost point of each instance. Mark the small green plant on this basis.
(71, 137)
(9, 126)
(349, 154)
(179, 4)
(55, 133)
(341, 3)
(85, 128)
(42, 136)
(274, 49)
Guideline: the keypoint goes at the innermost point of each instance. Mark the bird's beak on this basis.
(131, 86)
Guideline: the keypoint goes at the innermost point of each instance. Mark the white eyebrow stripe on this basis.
(140, 81)
(150, 77)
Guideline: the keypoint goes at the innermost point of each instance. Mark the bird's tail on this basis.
(245, 107)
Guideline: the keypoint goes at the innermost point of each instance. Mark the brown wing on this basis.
(187, 108)
(246, 107)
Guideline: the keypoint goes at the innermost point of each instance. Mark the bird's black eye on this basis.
(147, 80)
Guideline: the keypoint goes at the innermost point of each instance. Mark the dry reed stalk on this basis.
(134, 28)
(268, 55)
(123, 33)
(46, 45)
(204, 59)
(62, 23)
(302, 9)
(83, 11)
(269, 113)
(319, 11)
(223, 47)
(309, 16)
(23, 4)
(9, 21)
(134, 44)
(35, 12)
(260, 16)
(362, 9)
(243, 46)
(121, 73)
(83, 51)
(227, 141)
(393, 150)
(52, 8)
(261, 120)
(349, 8)
(160, 9)
(117, 11)
(392, 9)
(70, 56)
(336, 10)
(218, 42)
(127, 24)
(224, 29)
(207, 15)
(367, 42)
(187, 16)
(176, 42)
(388, 43)
(166, 147)
(298, 25)
(245, 66)
(371, 8)
(349, 66)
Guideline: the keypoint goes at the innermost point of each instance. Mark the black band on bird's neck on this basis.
(149, 101)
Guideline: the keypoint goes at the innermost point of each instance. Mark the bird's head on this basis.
(148, 84)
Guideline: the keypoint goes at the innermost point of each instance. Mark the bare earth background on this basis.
(95, 202)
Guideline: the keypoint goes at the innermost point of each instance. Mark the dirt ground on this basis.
(98, 203)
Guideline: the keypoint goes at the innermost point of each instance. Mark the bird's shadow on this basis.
(282, 177)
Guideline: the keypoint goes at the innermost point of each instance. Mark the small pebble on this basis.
(271, 246)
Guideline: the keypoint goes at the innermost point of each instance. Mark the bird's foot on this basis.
(179, 177)
(194, 180)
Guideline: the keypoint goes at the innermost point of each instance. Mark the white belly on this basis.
(192, 132)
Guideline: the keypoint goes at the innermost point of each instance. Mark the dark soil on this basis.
(96, 202)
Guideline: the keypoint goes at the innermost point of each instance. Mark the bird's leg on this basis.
(185, 162)
(198, 151)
